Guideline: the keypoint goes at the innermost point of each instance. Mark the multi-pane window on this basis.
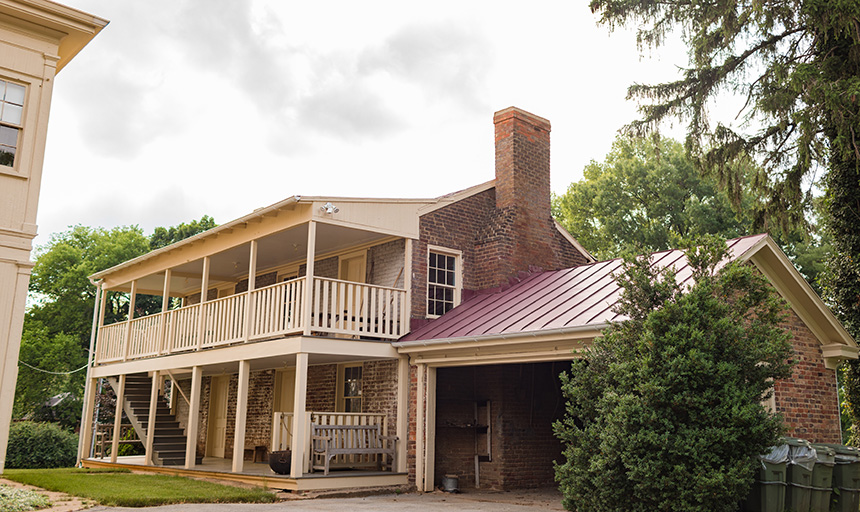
(441, 283)
(352, 389)
(11, 113)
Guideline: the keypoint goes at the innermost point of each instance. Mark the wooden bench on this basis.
(356, 442)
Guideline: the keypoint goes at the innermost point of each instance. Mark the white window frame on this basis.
(13, 169)
(458, 275)
(341, 376)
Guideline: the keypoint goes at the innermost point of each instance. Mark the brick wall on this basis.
(322, 268)
(258, 423)
(182, 411)
(808, 400)
(385, 264)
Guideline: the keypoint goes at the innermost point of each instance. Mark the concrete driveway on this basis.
(545, 500)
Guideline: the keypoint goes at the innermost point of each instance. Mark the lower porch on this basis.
(222, 418)
(257, 473)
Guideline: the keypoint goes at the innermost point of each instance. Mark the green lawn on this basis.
(124, 489)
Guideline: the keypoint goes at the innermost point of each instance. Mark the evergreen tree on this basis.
(665, 410)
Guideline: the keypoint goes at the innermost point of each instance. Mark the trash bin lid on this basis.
(824, 454)
(800, 452)
(844, 454)
(776, 455)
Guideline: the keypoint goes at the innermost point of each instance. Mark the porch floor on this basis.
(258, 473)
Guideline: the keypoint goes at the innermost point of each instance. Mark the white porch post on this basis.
(204, 293)
(86, 440)
(193, 418)
(117, 419)
(131, 301)
(407, 285)
(300, 426)
(165, 305)
(150, 425)
(252, 284)
(307, 313)
(419, 430)
(430, 436)
(241, 417)
(402, 428)
(98, 306)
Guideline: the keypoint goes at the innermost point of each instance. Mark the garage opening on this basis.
(494, 425)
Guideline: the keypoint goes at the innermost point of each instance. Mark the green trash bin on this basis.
(801, 462)
(846, 478)
(822, 478)
(768, 490)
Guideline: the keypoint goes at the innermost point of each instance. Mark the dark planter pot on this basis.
(279, 461)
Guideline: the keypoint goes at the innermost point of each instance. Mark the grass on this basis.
(121, 488)
(19, 500)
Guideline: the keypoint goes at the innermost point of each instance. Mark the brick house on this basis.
(444, 322)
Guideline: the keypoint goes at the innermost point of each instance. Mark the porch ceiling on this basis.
(278, 249)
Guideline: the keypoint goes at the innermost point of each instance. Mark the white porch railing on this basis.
(337, 307)
(282, 427)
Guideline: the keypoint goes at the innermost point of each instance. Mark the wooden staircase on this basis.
(170, 440)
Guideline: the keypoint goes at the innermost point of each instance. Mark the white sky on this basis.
(181, 108)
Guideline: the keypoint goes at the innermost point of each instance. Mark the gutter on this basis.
(508, 336)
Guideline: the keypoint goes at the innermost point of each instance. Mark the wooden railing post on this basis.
(307, 310)
(252, 284)
(165, 305)
(131, 301)
(204, 293)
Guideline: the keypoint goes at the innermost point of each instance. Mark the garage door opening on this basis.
(494, 425)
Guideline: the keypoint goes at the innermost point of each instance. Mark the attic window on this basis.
(11, 114)
(443, 281)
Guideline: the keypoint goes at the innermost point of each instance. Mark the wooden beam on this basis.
(212, 277)
(204, 293)
(193, 423)
(402, 429)
(132, 299)
(117, 421)
(300, 427)
(252, 284)
(241, 417)
(419, 430)
(150, 426)
(430, 443)
(87, 421)
(309, 277)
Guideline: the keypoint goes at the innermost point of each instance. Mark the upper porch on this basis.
(302, 267)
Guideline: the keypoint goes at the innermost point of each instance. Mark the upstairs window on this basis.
(443, 281)
(11, 114)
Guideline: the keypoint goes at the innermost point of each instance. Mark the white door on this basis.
(285, 390)
(217, 436)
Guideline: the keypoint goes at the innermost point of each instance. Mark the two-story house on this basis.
(322, 321)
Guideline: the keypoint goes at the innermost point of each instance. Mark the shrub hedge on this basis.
(40, 445)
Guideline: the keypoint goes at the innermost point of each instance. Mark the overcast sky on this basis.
(182, 108)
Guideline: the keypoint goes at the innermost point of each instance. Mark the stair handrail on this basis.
(175, 384)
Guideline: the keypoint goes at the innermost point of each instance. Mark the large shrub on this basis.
(665, 413)
(40, 445)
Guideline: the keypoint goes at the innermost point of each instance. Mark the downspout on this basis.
(87, 387)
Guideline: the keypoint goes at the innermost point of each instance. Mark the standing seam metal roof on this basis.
(568, 298)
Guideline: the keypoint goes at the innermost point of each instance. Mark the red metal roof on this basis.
(570, 298)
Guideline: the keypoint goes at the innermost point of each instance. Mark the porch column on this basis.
(86, 441)
(430, 436)
(165, 306)
(403, 387)
(241, 417)
(252, 284)
(150, 425)
(131, 301)
(193, 418)
(300, 424)
(407, 285)
(117, 418)
(307, 310)
(204, 293)
(419, 429)
(98, 317)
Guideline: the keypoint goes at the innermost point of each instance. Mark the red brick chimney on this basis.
(520, 235)
(522, 161)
